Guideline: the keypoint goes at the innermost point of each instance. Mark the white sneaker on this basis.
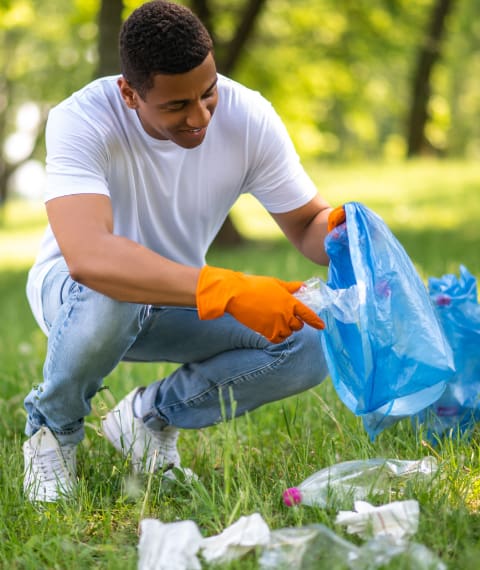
(149, 450)
(50, 468)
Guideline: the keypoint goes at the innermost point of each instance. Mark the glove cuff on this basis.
(212, 292)
(336, 217)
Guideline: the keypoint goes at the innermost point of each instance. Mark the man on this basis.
(142, 171)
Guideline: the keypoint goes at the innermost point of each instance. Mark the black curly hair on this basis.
(161, 37)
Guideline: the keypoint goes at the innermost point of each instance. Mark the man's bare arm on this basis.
(306, 228)
(114, 265)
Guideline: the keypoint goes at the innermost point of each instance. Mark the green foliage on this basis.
(340, 75)
(49, 48)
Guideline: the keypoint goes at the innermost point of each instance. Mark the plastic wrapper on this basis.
(236, 540)
(397, 520)
(168, 546)
(180, 546)
(387, 353)
(456, 304)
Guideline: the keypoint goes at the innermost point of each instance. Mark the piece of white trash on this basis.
(398, 519)
(236, 540)
(169, 546)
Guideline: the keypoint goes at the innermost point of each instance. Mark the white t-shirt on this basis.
(167, 198)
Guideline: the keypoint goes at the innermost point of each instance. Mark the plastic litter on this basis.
(380, 551)
(307, 548)
(398, 520)
(316, 546)
(342, 304)
(386, 351)
(178, 545)
(458, 409)
(356, 480)
(169, 546)
(236, 540)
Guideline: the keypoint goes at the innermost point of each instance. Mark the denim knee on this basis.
(305, 359)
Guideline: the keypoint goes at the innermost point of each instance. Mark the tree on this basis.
(42, 58)
(428, 56)
(339, 73)
(228, 52)
(109, 24)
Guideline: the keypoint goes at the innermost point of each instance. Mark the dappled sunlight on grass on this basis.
(22, 224)
(442, 195)
(420, 194)
(427, 204)
(431, 206)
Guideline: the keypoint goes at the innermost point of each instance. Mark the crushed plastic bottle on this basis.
(307, 548)
(355, 480)
(343, 304)
(316, 546)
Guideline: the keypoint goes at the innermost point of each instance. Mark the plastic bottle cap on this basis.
(443, 300)
(292, 496)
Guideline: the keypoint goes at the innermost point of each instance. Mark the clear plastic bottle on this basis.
(355, 479)
(343, 304)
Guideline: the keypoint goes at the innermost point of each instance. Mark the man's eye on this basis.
(209, 94)
(176, 107)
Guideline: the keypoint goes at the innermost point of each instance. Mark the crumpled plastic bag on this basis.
(398, 519)
(456, 304)
(176, 546)
(236, 540)
(387, 354)
(168, 546)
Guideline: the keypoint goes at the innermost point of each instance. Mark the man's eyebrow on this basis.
(181, 101)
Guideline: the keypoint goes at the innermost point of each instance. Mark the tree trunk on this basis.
(7, 89)
(429, 54)
(109, 24)
(243, 33)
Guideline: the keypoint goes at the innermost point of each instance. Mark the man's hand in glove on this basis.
(264, 304)
(335, 218)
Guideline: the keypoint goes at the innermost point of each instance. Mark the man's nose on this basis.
(199, 114)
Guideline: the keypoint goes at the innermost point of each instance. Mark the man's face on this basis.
(178, 107)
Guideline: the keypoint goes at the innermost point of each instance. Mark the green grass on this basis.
(244, 465)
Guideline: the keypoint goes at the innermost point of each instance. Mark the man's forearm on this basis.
(127, 271)
(312, 244)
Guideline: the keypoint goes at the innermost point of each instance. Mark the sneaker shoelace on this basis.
(165, 442)
(57, 466)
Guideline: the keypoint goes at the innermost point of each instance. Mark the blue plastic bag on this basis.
(458, 409)
(392, 360)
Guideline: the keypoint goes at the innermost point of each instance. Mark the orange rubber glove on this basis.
(335, 218)
(264, 304)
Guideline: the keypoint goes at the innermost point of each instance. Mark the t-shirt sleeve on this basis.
(76, 156)
(276, 176)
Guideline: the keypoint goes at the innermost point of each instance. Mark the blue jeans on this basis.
(89, 334)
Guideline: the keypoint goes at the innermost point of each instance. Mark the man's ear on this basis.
(129, 95)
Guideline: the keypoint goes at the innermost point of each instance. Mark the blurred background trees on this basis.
(352, 79)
